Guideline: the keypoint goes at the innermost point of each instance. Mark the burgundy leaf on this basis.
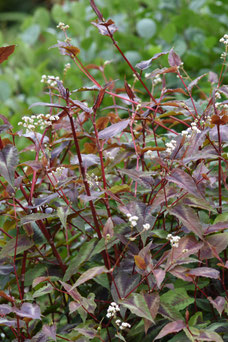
(8, 322)
(195, 82)
(184, 180)
(96, 10)
(161, 72)
(90, 274)
(216, 227)
(72, 292)
(170, 328)
(108, 229)
(8, 162)
(129, 92)
(5, 52)
(99, 99)
(188, 217)
(105, 27)
(29, 310)
(159, 275)
(92, 88)
(146, 64)
(218, 303)
(181, 273)
(204, 272)
(62, 90)
(113, 130)
(217, 242)
(22, 242)
(173, 59)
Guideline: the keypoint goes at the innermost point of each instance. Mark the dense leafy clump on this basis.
(114, 213)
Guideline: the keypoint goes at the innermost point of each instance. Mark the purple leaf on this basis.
(195, 82)
(188, 217)
(83, 106)
(218, 303)
(184, 180)
(105, 27)
(204, 272)
(113, 130)
(146, 64)
(223, 133)
(216, 227)
(45, 104)
(49, 331)
(8, 162)
(29, 310)
(8, 322)
(170, 328)
(88, 332)
(72, 292)
(90, 274)
(87, 160)
(212, 77)
(173, 59)
(144, 178)
(217, 242)
(5, 309)
(125, 282)
(159, 275)
(94, 87)
(73, 306)
(36, 138)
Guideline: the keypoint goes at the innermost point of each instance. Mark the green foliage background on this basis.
(146, 27)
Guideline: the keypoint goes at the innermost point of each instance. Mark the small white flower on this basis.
(146, 226)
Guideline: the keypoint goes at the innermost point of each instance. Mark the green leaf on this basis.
(82, 255)
(178, 298)
(90, 274)
(62, 213)
(142, 305)
(146, 28)
(221, 218)
(23, 243)
(8, 162)
(35, 217)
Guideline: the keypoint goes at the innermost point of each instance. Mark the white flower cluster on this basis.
(109, 155)
(221, 105)
(224, 39)
(37, 121)
(66, 67)
(122, 325)
(50, 80)
(62, 26)
(223, 55)
(156, 80)
(193, 129)
(217, 95)
(132, 219)
(170, 146)
(112, 310)
(146, 226)
(150, 154)
(59, 171)
(91, 179)
(174, 240)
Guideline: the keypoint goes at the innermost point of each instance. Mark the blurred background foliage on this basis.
(145, 27)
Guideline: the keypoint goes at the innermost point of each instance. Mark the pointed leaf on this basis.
(5, 52)
(49, 331)
(204, 272)
(218, 303)
(90, 274)
(188, 217)
(22, 244)
(29, 310)
(87, 159)
(5, 309)
(113, 130)
(174, 59)
(170, 328)
(35, 217)
(139, 305)
(146, 64)
(194, 82)
(108, 228)
(105, 27)
(8, 162)
(178, 298)
(8, 322)
(184, 180)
